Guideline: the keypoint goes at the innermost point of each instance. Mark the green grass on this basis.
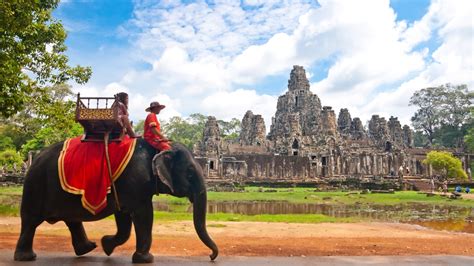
(16, 190)
(10, 200)
(306, 195)
(230, 217)
(6, 210)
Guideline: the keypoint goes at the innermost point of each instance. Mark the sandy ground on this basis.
(261, 239)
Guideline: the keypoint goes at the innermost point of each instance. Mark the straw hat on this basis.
(154, 105)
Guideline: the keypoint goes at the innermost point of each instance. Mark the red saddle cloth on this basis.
(83, 169)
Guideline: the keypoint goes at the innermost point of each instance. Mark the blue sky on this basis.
(222, 58)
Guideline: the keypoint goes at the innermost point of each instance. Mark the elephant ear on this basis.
(162, 164)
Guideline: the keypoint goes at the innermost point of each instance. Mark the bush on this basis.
(446, 164)
(10, 157)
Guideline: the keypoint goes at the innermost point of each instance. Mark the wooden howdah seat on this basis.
(99, 115)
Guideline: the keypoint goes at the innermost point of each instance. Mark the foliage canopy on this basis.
(9, 158)
(189, 130)
(443, 113)
(45, 120)
(32, 53)
(446, 164)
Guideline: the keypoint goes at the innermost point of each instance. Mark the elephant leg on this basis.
(80, 242)
(124, 226)
(143, 222)
(24, 247)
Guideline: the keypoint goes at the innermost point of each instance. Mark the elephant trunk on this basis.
(199, 217)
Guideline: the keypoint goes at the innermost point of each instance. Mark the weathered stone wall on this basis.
(328, 121)
(253, 130)
(276, 167)
(211, 139)
(232, 148)
(407, 136)
(357, 129)
(344, 123)
(298, 113)
(395, 131)
(234, 169)
(378, 131)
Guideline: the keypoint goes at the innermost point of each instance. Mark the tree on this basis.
(14, 132)
(139, 127)
(6, 143)
(229, 130)
(186, 131)
(189, 131)
(199, 120)
(46, 119)
(32, 53)
(443, 113)
(419, 139)
(446, 164)
(9, 158)
(469, 137)
(50, 135)
(55, 115)
(426, 118)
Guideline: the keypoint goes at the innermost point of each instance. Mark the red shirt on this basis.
(151, 122)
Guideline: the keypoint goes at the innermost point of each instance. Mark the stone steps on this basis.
(421, 184)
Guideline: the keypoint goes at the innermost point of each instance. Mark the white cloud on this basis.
(201, 54)
(228, 105)
(451, 22)
(190, 76)
(262, 60)
(223, 28)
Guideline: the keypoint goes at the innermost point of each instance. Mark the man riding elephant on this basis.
(152, 129)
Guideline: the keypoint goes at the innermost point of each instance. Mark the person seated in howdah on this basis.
(122, 98)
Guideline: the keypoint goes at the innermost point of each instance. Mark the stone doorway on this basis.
(295, 147)
(419, 168)
(324, 166)
(388, 146)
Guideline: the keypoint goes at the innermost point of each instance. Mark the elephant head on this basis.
(181, 176)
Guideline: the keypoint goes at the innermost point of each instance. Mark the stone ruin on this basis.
(306, 141)
(253, 130)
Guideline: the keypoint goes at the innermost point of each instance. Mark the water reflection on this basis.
(451, 218)
(371, 211)
(449, 225)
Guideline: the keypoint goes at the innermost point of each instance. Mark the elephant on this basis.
(43, 199)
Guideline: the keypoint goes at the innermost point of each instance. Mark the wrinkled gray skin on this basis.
(44, 200)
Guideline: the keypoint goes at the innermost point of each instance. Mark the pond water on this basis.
(451, 218)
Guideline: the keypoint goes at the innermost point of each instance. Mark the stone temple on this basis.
(308, 141)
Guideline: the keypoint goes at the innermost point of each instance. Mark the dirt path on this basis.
(263, 239)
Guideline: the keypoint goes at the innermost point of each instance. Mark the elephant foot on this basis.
(24, 255)
(84, 248)
(108, 244)
(142, 258)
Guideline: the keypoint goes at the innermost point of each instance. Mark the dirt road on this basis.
(261, 239)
